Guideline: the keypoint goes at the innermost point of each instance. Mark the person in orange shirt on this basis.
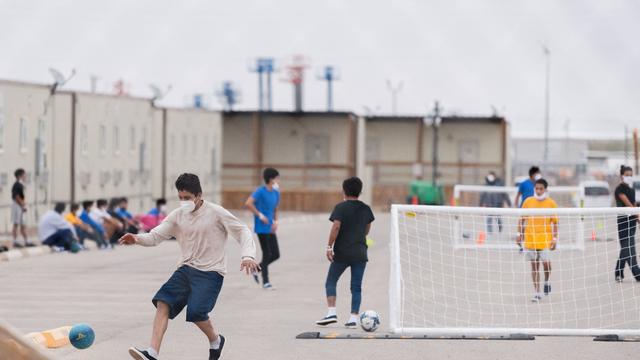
(540, 236)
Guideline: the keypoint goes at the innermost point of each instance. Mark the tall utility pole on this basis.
(547, 55)
(228, 95)
(394, 90)
(329, 75)
(296, 77)
(435, 121)
(264, 66)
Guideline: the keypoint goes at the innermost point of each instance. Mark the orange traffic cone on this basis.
(482, 236)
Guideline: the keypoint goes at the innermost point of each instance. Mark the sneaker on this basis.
(536, 298)
(140, 354)
(351, 325)
(29, 244)
(214, 354)
(332, 319)
(255, 277)
(268, 286)
(547, 289)
(618, 279)
(17, 245)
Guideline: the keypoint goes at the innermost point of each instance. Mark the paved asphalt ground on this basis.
(111, 291)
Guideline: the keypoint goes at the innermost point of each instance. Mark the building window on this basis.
(132, 139)
(23, 134)
(103, 139)
(84, 141)
(116, 140)
(172, 146)
(42, 134)
(194, 146)
(1, 122)
(184, 144)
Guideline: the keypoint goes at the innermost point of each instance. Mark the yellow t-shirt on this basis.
(538, 233)
(72, 219)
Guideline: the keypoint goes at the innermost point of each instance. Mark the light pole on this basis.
(434, 121)
(329, 74)
(547, 54)
(394, 95)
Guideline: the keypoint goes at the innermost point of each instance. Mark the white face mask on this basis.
(491, 178)
(537, 177)
(187, 205)
(541, 197)
(163, 208)
(627, 180)
(276, 186)
(79, 212)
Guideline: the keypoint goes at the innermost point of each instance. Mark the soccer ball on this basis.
(369, 320)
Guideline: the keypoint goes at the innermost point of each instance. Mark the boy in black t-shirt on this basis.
(347, 248)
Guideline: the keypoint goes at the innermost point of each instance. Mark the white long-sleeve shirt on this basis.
(202, 236)
(50, 223)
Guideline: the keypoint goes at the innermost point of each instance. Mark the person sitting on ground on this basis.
(155, 216)
(99, 231)
(112, 209)
(56, 232)
(131, 225)
(83, 231)
(100, 215)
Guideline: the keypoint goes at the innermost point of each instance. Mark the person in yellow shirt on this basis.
(84, 231)
(540, 236)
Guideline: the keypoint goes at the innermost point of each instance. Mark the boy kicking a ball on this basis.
(347, 248)
(540, 236)
(201, 229)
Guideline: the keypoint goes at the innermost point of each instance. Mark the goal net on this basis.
(490, 232)
(440, 288)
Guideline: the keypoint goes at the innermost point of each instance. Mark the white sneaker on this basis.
(536, 298)
(268, 286)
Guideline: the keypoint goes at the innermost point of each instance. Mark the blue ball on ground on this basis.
(81, 336)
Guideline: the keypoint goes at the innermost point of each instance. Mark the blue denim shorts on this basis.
(195, 289)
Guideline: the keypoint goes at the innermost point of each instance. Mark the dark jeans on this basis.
(357, 273)
(270, 253)
(626, 235)
(491, 219)
(62, 238)
(96, 236)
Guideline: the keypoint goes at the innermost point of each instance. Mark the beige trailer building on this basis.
(314, 152)
(400, 149)
(92, 146)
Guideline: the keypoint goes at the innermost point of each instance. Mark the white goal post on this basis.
(440, 289)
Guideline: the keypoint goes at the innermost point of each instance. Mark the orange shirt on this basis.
(72, 219)
(538, 233)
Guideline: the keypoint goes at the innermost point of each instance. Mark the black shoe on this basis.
(140, 354)
(547, 289)
(619, 279)
(17, 245)
(214, 354)
(30, 244)
(351, 325)
(327, 320)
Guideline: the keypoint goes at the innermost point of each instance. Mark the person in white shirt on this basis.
(201, 229)
(100, 215)
(55, 231)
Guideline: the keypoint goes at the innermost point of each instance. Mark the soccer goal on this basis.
(439, 288)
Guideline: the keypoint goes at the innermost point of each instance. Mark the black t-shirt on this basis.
(351, 244)
(628, 191)
(17, 191)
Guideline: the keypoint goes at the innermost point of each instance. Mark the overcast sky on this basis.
(471, 55)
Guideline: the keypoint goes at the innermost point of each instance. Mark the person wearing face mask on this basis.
(84, 231)
(494, 200)
(626, 197)
(202, 230)
(525, 189)
(263, 203)
(540, 236)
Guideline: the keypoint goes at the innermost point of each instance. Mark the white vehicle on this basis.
(596, 194)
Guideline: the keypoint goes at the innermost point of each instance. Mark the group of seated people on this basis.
(101, 221)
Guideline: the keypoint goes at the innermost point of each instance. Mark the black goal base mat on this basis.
(617, 338)
(383, 336)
